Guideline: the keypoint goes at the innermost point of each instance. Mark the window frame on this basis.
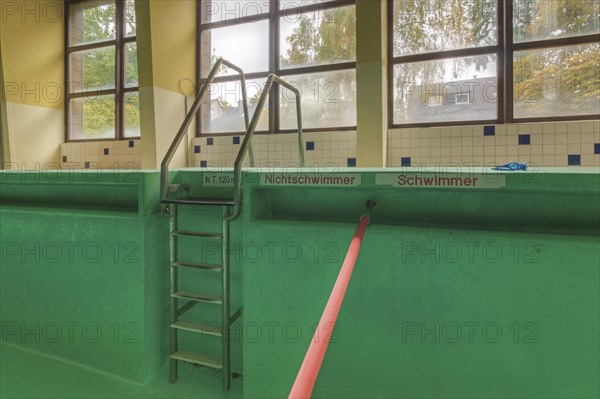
(504, 51)
(273, 16)
(120, 90)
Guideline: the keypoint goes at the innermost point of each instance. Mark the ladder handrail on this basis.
(237, 172)
(164, 182)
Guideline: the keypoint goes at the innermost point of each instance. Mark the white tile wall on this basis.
(550, 144)
(280, 150)
(119, 155)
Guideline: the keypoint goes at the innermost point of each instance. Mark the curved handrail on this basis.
(164, 167)
(237, 172)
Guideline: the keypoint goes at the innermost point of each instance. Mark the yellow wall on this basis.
(31, 37)
(166, 55)
(173, 42)
(371, 75)
(4, 154)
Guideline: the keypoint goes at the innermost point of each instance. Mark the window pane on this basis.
(130, 23)
(291, 4)
(241, 10)
(551, 19)
(245, 45)
(423, 26)
(132, 114)
(557, 81)
(328, 100)
(131, 65)
(92, 21)
(456, 89)
(226, 113)
(93, 117)
(317, 38)
(93, 69)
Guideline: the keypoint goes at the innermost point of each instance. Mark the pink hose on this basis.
(307, 376)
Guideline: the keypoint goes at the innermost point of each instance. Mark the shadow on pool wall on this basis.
(471, 293)
(474, 292)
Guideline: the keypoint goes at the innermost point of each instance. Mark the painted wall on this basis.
(31, 37)
(4, 153)
(468, 293)
(83, 274)
(166, 46)
(371, 75)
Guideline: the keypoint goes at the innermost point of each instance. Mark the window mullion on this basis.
(501, 63)
(508, 92)
(274, 30)
(119, 69)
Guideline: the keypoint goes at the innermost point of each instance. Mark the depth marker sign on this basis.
(217, 179)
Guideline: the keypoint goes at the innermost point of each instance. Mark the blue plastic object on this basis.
(511, 167)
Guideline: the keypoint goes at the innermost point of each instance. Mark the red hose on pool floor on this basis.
(307, 376)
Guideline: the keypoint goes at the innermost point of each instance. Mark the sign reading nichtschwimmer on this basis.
(311, 179)
(440, 180)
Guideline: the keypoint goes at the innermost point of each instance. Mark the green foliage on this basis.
(566, 78)
(422, 26)
(321, 38)
(98, 68)
(324, 38)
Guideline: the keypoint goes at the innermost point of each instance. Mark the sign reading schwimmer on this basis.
(440, 180)
(311, 179)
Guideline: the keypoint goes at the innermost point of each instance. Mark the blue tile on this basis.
(406, 162)
(352, 162)
(310, 146)
(196, 149)
(489, 130)
(64, 158)
(106, 151)
(236, 140)
(203, 164)
(597, 148)
(131, 143)
(87, 165)
(574, 160)
(524, 139)
(209, 141)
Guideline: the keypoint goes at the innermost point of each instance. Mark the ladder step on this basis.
(208, 329)
(197, 297)
(196, 358)
(201, 201)
(173, 188)
(196, 234)
(203, 266)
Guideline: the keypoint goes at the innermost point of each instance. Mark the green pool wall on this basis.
(546, 280)
(524, 258)
(80, 269)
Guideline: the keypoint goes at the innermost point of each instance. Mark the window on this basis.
(102, 101)
(435, 101)
(556, 58)
(309, 43)
(456, 50)
(462, 98)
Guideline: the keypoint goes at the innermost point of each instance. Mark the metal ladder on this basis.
(231, 208)
(194, 298)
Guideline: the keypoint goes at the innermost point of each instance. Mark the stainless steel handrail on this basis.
(164, 168)
(237, 172)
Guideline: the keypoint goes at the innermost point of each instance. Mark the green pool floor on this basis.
(27, 374)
